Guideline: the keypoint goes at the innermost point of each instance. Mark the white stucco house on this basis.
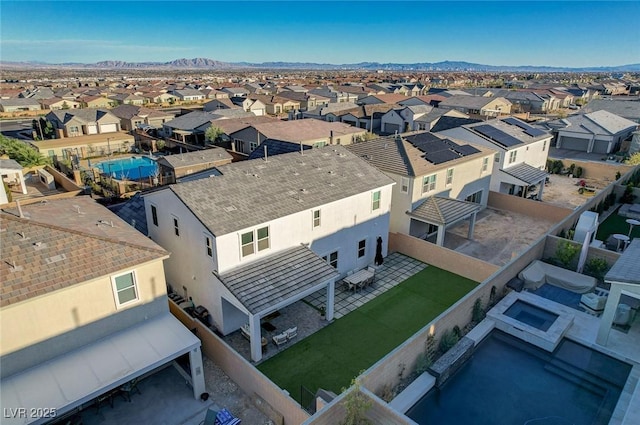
(266, 233)
(439, 182)
(521, 157)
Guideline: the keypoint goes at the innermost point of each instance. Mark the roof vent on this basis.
(331, 172)
(55, 258)
(14, 268)
(303, 190)
(230, 208)
(39, 245)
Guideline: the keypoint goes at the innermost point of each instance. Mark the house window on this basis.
(362, 248)
(476, 197)
(449, 176)
(316, 218)
(209, 244)
(253, 146)
(404, 188)
(428, 183)
(512, 156)
(247, 243)
(544, 145)
(375, 200)
(176, 227)
(319, 144)
(154, 215)
(124, 289)
(485, 164)
(497, 157)
(332, 259)
(263, 238)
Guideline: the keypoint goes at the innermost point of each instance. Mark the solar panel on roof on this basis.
(517, 123)
(534, 132)
(441, 156)
(466, 150)
(431, 146)
(497, 136)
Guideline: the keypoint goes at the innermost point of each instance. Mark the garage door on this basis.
(574, 143)
(92, 129)
(108, 128)
(601, 146)
(391, 128)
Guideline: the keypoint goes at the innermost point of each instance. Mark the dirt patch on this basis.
(563, 190)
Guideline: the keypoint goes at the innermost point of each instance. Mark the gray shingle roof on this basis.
(264, 283)
(133, 212)
(10, 164)
(599, 122)
(526, 173)
(190, 121)
(253, 192)
(627, 267)
(216, 156)
(443, 211)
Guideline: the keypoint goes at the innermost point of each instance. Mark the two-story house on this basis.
(79, 122)
(521, 157)
(84, 309)
(439, 182)
(266, 233)
(478, 106)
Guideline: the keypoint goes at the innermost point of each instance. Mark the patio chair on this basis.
(246, 331)
(280, 339)
(210, 418)
(224, 417)
(291, 332)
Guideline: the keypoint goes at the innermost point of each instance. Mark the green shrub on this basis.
(566, 252)
(478, 312)
(572, 168)
(447, 341)
(578, 172)
(618, 175)
(596, 267)
(628, 196)
(423, 363)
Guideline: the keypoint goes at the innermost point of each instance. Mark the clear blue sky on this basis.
(573, 33)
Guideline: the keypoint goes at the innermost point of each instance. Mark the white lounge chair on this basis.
(280, 339)
(246, 331)
(291, 332)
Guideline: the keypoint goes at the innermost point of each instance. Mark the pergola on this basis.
(525, 175)
(624, 277)
(274, 282)
(445, 212)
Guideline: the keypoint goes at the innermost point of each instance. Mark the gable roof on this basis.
(41, 257)
(256, 191)
(216, 156)
(467, 101)
(190, 121)
(302, 130)
(598, 122)
(443, 211)
(276, 147)
(86, 115)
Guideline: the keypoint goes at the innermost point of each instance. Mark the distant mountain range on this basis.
(205, 63)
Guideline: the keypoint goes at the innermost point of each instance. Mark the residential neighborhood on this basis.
(318, 241)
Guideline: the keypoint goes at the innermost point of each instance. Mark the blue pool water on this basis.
(134, 168)
(508, 381)
(531, 315)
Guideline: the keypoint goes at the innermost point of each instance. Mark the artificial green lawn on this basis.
(615, 224)
(331, 357)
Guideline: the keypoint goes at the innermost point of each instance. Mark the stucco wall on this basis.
(441, 257)
(243, 373)
(528, 207)
(50, 325)
(551, 247)
(597, 170)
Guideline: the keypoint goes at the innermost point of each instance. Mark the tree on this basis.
(633, 159)
(356, 404)
(24, 154)
(213, 134)
(566, 252)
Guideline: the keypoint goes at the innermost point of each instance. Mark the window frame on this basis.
(404, 185)
(176, 226)
(449, 177)
(428, 184)
(154, 215)
(331, 261)
(248, 244)
(375, 203)
(316, 221)
(116, 291)
(362, 248)
(258, 239)
(485, 164)
(513, 156)
(208, 243)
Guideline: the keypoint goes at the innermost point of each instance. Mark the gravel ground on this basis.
(563, 191)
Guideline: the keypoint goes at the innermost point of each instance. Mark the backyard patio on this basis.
(335, 354)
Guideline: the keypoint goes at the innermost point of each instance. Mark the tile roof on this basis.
(526, 173)
(215, 156)
(446, 122)
(253, 192)
(443, 211)
(398, 155)
(622, 108)
(133, 212)
(190, 121)
(627, 267)
(9, 164)
(267, 282)
(232, 125)
(467, 101)
(40, 257)
(276, 147)
(302, 130)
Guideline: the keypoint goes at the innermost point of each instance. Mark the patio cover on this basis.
(75, 378)
(525, 173)
(443, 211)
(276, 281)
(263, 285)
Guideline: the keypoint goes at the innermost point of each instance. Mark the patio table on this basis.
(358, 278)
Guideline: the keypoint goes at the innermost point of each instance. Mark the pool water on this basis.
(134, 168)
(531, 315)
(508, 381)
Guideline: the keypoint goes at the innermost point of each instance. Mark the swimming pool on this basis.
(508, 381)
(133, 168)
(531, 315)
